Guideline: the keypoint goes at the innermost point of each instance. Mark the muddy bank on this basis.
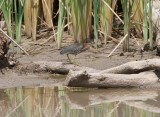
(92, 58)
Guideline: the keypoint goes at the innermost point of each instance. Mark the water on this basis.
(63, 102)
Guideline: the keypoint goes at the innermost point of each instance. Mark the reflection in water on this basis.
(57, 102)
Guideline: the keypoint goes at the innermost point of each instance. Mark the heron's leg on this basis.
(74, 58)
(69, 58)
(74, 62)
(71, 61)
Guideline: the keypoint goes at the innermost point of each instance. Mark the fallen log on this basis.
(84, 79)
(134, 67)
(53, 67)
(63, 68)
(143, 73)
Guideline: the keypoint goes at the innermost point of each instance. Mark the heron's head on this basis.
(86, 46)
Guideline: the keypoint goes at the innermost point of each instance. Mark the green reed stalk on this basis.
(18, 6)
(61, 22)
(47, 11)
(126, 25)
(145, 22)
(80, 14)
(89, 18)
(6, 7)
(137, 16)
(106, 17)
(27, 18)
(96, 4)
(13, 14)
(68, 8)
(34, 14)
(150, 24)
(127, 8)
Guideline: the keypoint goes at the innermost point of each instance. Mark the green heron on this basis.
(74, 49)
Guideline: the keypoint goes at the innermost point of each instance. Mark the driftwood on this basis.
(84, 79)
(135, 67)
(52, 67)
(60, 67)
(143, 73)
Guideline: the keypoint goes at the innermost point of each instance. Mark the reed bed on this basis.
(83, 18)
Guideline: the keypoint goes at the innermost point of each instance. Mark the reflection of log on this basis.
(82, 100)
(143, 105)
(84, 79)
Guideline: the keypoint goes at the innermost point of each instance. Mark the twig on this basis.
(137, 42)
(14, 42)
(115, 40)
(118, 45)
(54, 34)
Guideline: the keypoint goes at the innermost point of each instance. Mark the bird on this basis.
(74, 49)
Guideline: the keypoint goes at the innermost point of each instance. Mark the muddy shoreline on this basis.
(96, 59)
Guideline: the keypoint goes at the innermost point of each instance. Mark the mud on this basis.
(47, 50)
